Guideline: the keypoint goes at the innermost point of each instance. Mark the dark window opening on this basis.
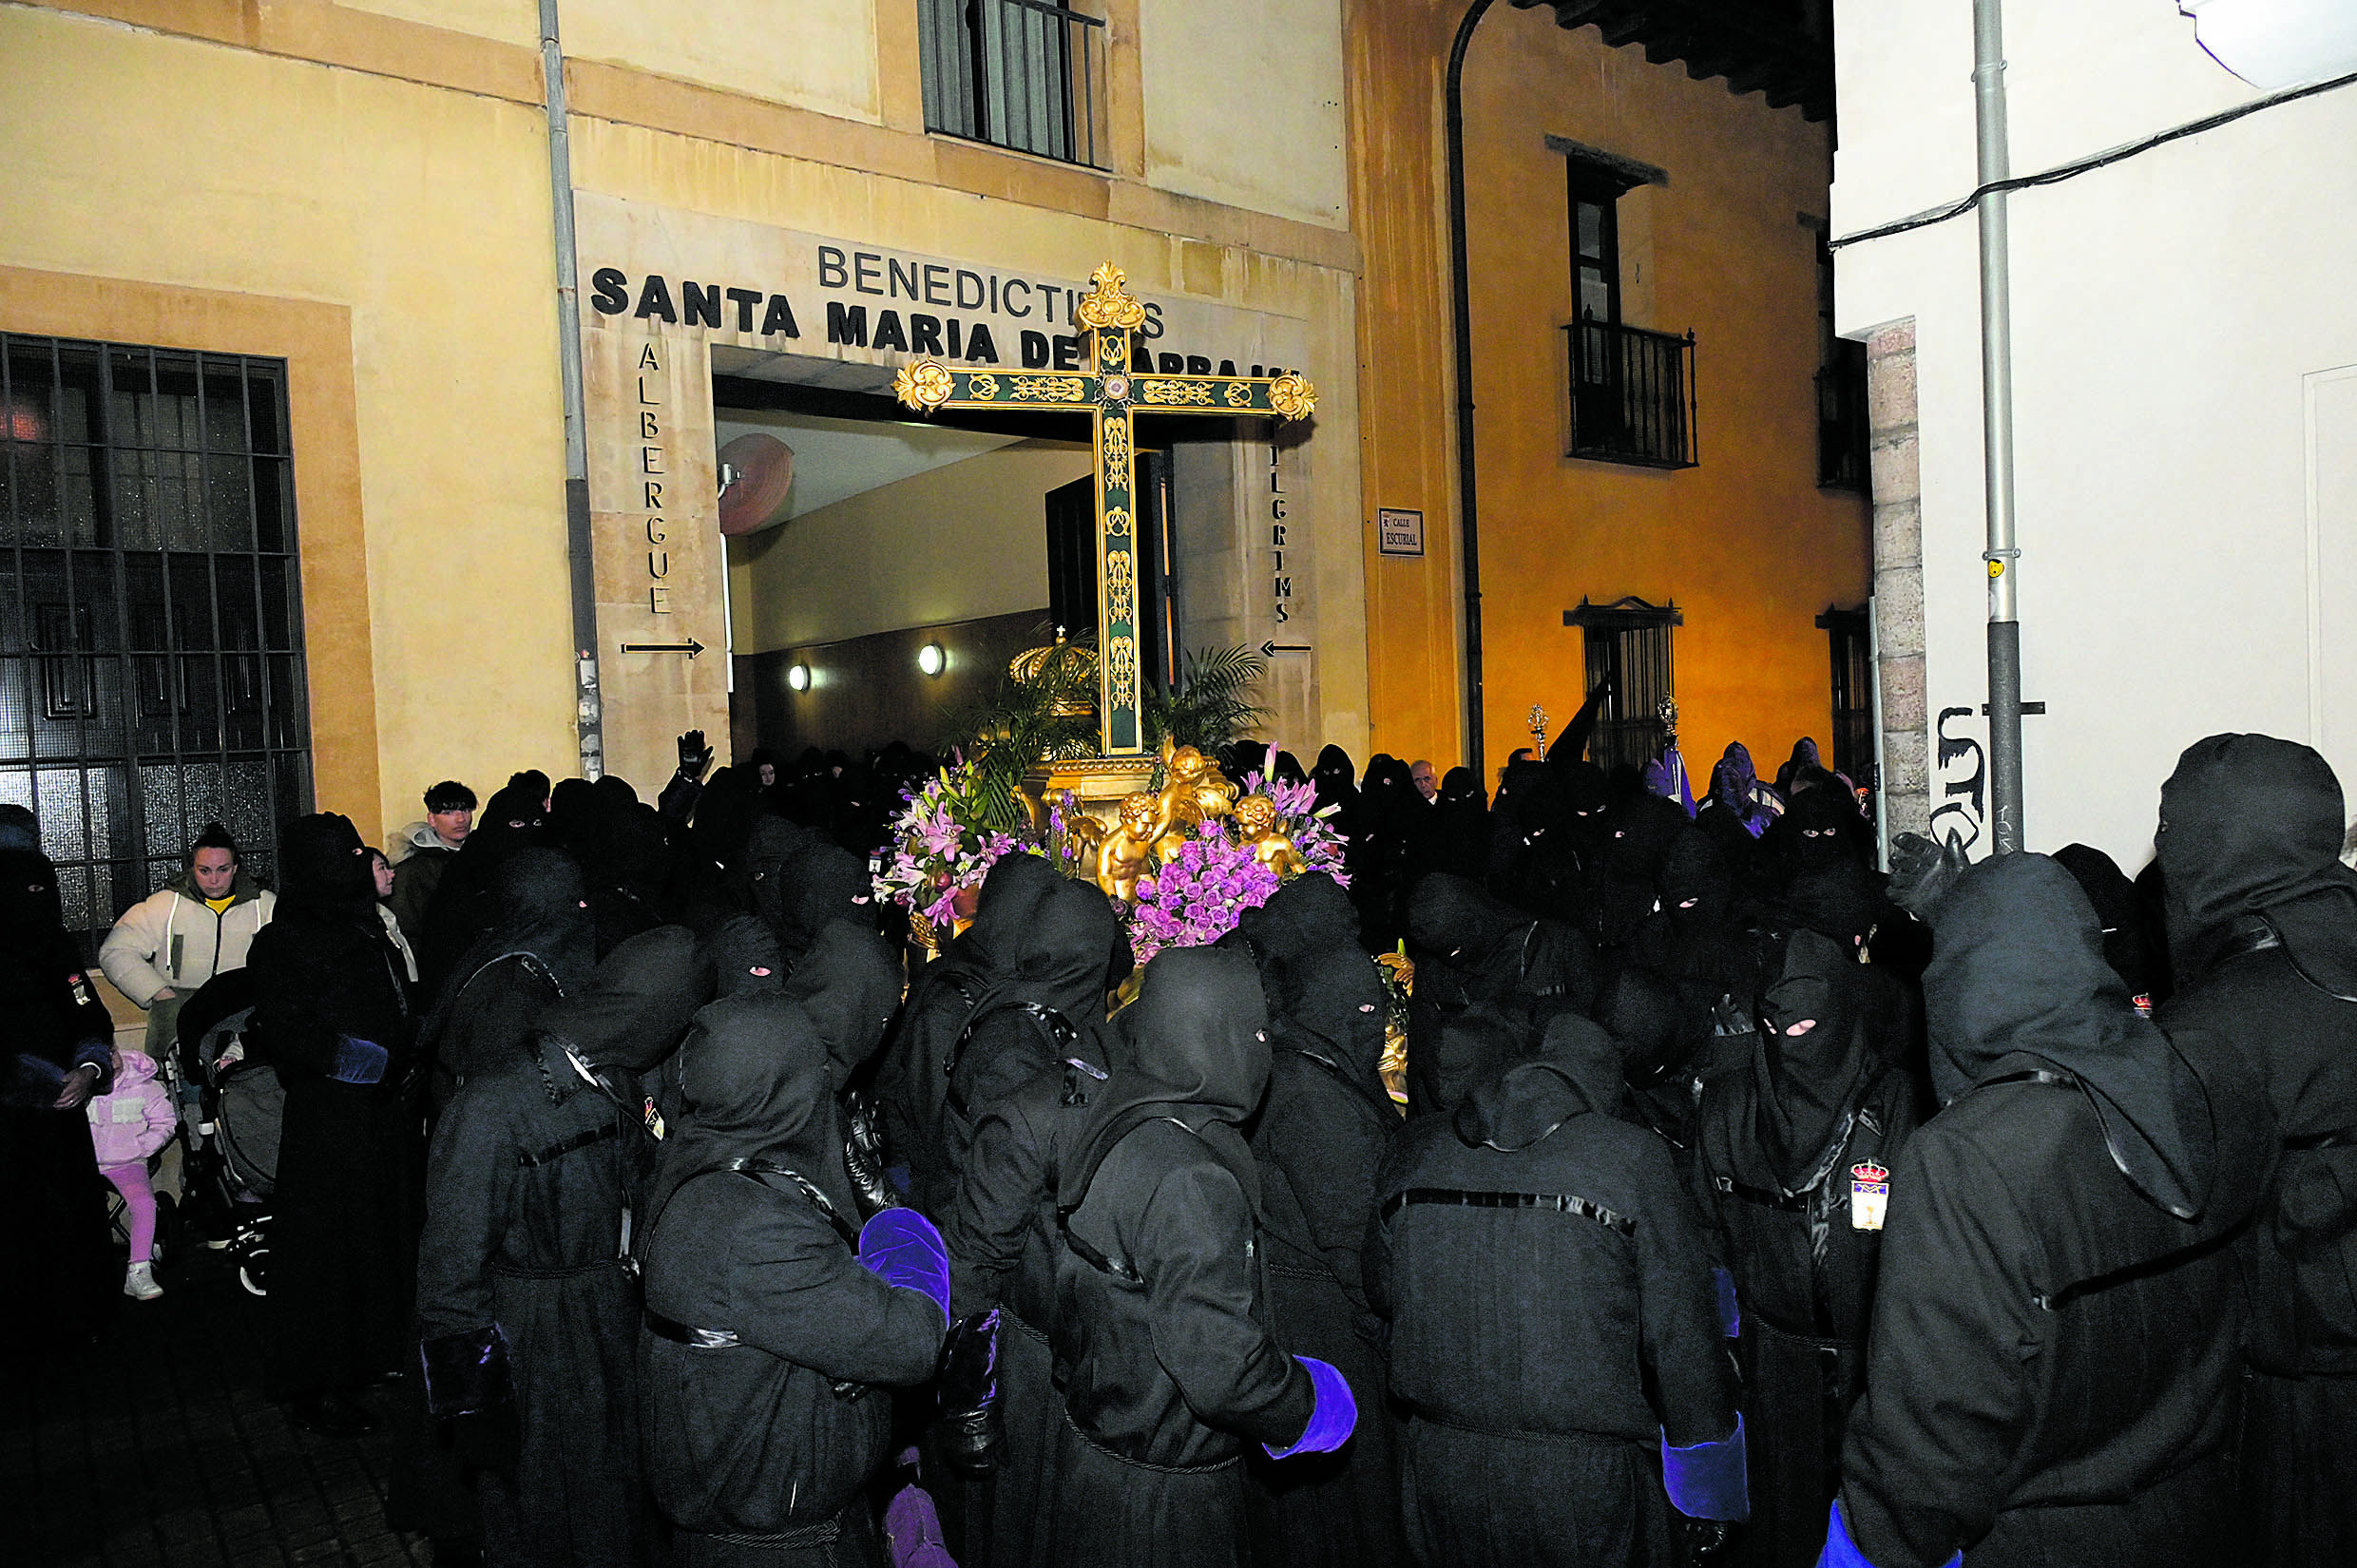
(1842, 433)
(151, 652)
(1851, 644)
(1632, 388)
(1024, 74)
(1631, 641)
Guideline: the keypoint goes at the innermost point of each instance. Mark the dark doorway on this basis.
(1851, 646)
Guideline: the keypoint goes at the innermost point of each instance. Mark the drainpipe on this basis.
(588, 720)
(1468, 523)
(2003, 553)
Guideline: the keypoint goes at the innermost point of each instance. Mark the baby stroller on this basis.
(242, 1107)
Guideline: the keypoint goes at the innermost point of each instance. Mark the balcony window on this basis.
(1629, 640)
(1841, 419)
(1632, 395)
(1023, 74)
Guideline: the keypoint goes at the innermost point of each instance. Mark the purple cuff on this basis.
(1841, 1552)
(1730, 1315)
(902, 1246)
(358, 1061)
(1333, 1413)
(1706, 1480)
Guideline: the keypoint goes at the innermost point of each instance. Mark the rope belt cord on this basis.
(825, 1532)
(577, 1141)
(1561, 1204)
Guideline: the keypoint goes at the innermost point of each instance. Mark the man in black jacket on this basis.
(1554, 1326)
(2050, 1369)
(2262, 923)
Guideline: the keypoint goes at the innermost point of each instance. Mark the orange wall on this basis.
(1746, 543)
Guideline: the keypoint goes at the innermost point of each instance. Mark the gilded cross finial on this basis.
(1109, 303)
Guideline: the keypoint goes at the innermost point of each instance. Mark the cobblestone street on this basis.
(158, 1448)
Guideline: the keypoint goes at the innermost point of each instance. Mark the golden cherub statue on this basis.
(1126, 853)
(1194, 792)
(1257, 815)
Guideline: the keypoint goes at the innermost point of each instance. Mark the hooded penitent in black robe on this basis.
(65, 1280)
(1002, 1241)
(764, 1333)
(1555, 1333)
(1459, 840)
(1471, 948)
(542, 949)
(2263, 929)
(915, 1081)
(1167, 1368)
(333, 1015)
(2050, 1370)
(465, 906)
(1053, 987)
(1794, 1151)
(848, 982)
(1324, 1130)
(527, 1306)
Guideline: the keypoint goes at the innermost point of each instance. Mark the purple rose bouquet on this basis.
(1198, 895)
(939, 845)
(1298, 814)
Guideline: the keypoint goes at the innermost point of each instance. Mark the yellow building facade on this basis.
(363, 191)
(1720, 217)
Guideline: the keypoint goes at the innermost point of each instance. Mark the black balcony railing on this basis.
(1025, 74)
(1632, 395)
(1841, 419)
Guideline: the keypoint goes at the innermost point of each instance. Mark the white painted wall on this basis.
(2185, 354)
(1243, 104)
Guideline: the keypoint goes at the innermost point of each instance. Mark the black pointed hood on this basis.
(1330, 1004)
(1803, 1086)
(753, 1080)
(1310, 914)
(2252, 826)
(745, 956)
(2116, 908)
(1455, 922)
(632, 1009)
(849, 985)
(2017, 969)
(324, 869)
(1198, 1043)
(1526, 1103)
(1068, 951)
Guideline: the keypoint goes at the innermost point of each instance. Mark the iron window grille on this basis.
(1632, 395)
(1024, 74)
(1629, 640)
(151, 641)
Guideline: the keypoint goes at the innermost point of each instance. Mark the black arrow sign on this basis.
(691, 647)
(1270, 650)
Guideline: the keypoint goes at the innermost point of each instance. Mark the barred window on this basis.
(151, 635)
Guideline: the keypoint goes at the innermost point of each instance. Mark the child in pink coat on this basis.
(129, 1122)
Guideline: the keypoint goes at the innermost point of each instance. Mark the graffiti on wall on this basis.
(1963, 769)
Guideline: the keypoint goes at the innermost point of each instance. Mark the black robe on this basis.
(1002, 1235)
(1321, 1134)
(2263, 926)
(1167, 1366)
(1786, 1177)
(343, 1217)
(1545, 1347)
(66, 1279)
(764, 1333)
(2051, 1365)
(527, 1302)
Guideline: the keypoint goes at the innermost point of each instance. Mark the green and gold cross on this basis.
(1111, 393)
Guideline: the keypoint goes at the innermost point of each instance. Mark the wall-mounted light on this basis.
(932, 659)
(798, 677)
